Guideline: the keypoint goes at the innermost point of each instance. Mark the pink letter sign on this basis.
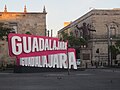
(41, 51)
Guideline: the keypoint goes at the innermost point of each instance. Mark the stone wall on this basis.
(35, 23)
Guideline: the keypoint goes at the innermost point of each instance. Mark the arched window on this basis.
(113, 27)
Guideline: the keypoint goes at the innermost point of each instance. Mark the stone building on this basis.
(101, 28)
(22, 22)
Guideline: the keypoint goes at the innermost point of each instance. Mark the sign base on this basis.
(23, 69)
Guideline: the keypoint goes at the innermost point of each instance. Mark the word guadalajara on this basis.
(28, 44)
(41, 51)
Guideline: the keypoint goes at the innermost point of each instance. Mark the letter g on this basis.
(16, 47)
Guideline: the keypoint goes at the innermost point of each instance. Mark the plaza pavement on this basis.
(89, 79)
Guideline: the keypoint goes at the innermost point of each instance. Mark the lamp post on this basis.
(51, 32)
(48, 32)
(108, 39)
(68, 59)
(111, 51)
(45, 32)
(111, 30)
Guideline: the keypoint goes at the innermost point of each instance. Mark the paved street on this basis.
(90, 79)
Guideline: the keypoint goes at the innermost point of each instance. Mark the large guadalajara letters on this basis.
(41, 51)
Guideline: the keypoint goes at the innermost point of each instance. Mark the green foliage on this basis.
(117, 46)
(72, 40)
(64, 36)
(115, 49)
(28, 33)
(4, 31)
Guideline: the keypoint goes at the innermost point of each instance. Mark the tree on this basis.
(117, 44)
(4, 31)
(64, 36)
(72, 40)
(115, 49)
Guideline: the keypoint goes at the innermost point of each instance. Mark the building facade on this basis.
(101, 28)
(22, 22)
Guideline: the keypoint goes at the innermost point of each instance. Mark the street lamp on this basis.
(48, 33)
(45, 32)
(51, 33)
(111, 51)
(111, 30)
(68, 58)
(108, 38)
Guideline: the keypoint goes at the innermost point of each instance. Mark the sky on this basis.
(59, 11)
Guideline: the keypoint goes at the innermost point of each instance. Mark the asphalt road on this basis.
(90, 79)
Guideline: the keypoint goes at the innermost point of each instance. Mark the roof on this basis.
(23, 13)
(90, 13)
